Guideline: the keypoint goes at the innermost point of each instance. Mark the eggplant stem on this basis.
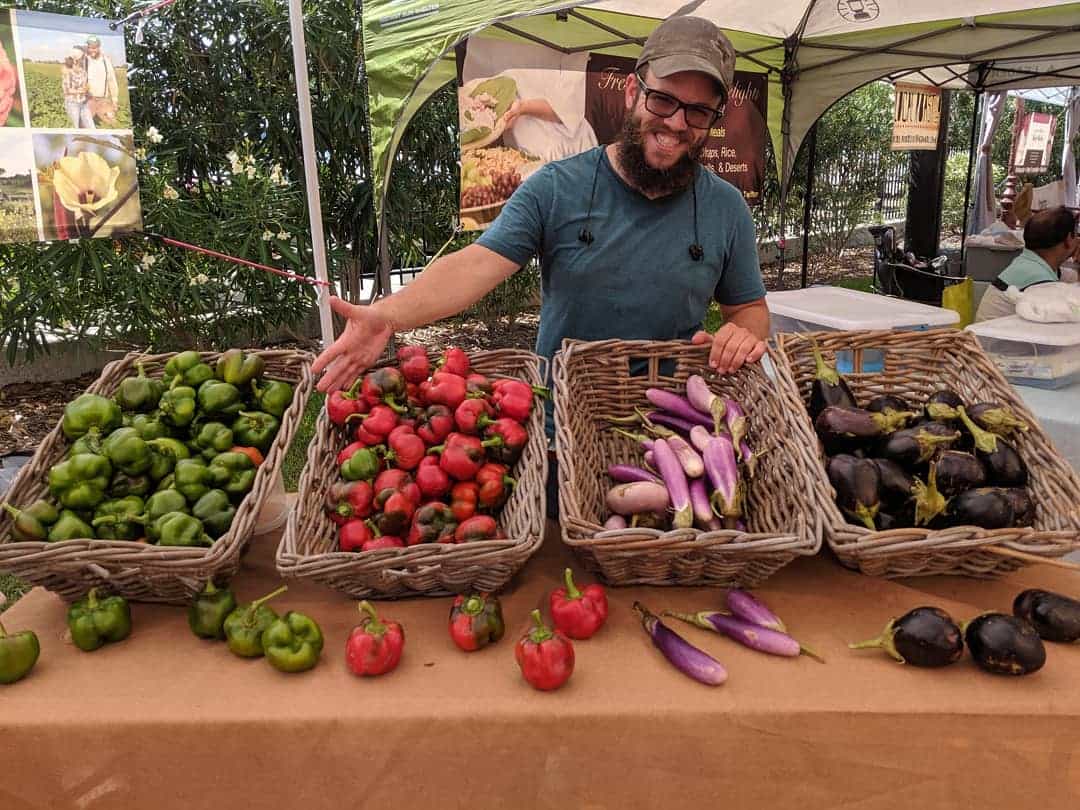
(696, 619)
(823, 372)
(621, 420)
(810, 653)
(884, 642)
(984, 439)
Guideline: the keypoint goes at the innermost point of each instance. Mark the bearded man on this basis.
(634, 238)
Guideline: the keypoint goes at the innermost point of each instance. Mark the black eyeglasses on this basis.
(664, 105)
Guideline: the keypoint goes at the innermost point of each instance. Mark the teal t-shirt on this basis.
(636, 281)
(1026, 269)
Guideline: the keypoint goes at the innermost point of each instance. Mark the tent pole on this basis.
(311, 171)
(808, 204)
(970, 166)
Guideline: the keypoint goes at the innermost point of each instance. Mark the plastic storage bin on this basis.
(1043, 355)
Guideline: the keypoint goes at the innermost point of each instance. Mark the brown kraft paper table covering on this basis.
(164, 720)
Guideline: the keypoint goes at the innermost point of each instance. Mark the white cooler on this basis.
(1042, 355)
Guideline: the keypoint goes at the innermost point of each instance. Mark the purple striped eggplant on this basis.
(683, 655)
(747, 633)
(748, 607)
(638, 496)
(688, 457)
(626, 474)
(675, 405)
(748, 458)
(654, 418)
(703, 514)
(723, 473)
(699, 437)
(615, 522)
(736, 421)
(675, 480)
(704, 400)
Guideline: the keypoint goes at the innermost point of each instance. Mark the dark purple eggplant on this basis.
(746, 633)
(915, 445)
(929, 502)
(1004, 467)
(828, 389)
(1004, 645)
(901, 519)
(889, 404)
(683, 655)
(1054, 617)
(1022, 504)
(923, 637)
(957, 471)
(858, 486)
(844, 429)
(986, 507)
(942, 404)
(896, 485)
(996, 418)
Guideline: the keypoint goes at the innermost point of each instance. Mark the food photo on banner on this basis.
(11, 96)
(87, 185)
(75, 71)
(521, 106)
(18, 222)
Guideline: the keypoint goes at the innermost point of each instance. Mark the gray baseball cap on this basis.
(92, 40)
(689, 43)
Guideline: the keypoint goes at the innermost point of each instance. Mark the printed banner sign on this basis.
(916, 117)
(521, 106)
(67, 155)
(1034, 143)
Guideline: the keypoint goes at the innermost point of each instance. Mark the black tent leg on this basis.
(808, 204)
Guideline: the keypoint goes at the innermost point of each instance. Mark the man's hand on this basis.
(360, 345)
(732, 347)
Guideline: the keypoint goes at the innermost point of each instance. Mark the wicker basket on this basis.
(139, 571)
(914, 365)
(784, 498)
(308, 549)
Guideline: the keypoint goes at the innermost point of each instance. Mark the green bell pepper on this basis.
(293, 642)
(127, 452)
(123, 485)
(166, 483)
(245, 626)
(162, 503)
(164, 454)
(140, 393)
(120, 519)
(219, 398)
(178, 405)
(207, 614)
(88, 444)
(363, 465)
(179, 529)
(70, 526)
(18, 654)
(213, 438)
(95, 622)
(31, 524)
(90, 412)
(255, 429)
(233, 472)
(81, 481)
(238, 368)
(192, 479)
(215, 511)
(274, 397)
(149, 426)
(188, 368)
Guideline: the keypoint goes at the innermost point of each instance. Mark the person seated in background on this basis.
(1049, 240)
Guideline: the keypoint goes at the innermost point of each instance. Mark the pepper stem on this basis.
(540, 632)
(12, 510)
(254, 605)
(474, 605)
(984, 439)
(210, 590)
(351, 393)
(572, 591)
(91, 599)
(373, 625)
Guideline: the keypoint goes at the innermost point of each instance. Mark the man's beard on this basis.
(631, 151)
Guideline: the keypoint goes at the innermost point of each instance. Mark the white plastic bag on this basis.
(1053, 302)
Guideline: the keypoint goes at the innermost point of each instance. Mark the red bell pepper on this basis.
(495, 485)
(461, 456)
(455, 361)
(379, 421)
(374, 647)
(476, 620)
(433, 482)
(414, 363)
(444, 389)
(473, 415)
(506, 440)
(340, 405)
(477, 385)
(394, 480)
(478, 527)
(432, 523)
(383, 541)
(413, 397)
(366, 437)
(435, 424)
(384, 386)
(396, 515)
(353, 535)
(514, 398)
(464, 497)
(546, 657)
(578, 613)
(406, 449)
(346, 501)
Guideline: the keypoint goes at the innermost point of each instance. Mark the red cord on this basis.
(235, 260)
